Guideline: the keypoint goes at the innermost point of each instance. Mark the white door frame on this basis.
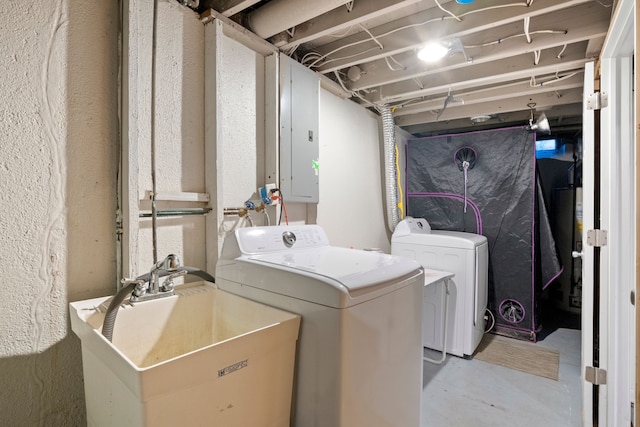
(588, 182)
(618, 201)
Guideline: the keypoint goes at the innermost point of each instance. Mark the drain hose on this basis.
(112, 311)
(116, 301)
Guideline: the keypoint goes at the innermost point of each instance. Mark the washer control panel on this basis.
(257, 240)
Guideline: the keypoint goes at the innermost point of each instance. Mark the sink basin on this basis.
(200, 357)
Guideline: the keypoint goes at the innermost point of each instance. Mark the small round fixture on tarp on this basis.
(512, 311)
(465, 158)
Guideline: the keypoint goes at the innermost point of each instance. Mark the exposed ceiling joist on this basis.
(380, 72)
(342, 20)
(542, 100)
(231, 7)
(508, 69)
(570, 112)
(497, 93)
(413, 31)
(504, 54)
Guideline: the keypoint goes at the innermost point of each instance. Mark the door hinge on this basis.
(596, 376)
(597, 101)
(597, 238)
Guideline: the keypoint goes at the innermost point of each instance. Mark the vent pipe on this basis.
(390, 172)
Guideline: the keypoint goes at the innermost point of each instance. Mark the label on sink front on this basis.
(232, 368)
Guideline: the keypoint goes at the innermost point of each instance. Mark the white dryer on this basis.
(467, 256)
(359, 358)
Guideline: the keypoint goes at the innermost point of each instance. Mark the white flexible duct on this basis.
(389, 136)
(279, 15)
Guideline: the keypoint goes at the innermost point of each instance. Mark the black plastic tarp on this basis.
(503, 202)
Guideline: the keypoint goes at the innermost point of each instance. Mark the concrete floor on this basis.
(473, 393)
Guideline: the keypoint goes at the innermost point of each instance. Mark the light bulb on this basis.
(432, 52)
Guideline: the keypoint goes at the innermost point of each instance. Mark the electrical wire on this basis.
(536, 56)
(305, 58)
(349, 5)
(490, 317)
(498, 6)
(250, 220)
(419, 24)
(527, 21)
(354, 93)
(284, 208)
(447, 11)
(267, 215)
(328, 61)
(502, 39)
(292, 50)
(561, 52)
(534, 83)
(341, 35)
(402, 67)
(372, 36)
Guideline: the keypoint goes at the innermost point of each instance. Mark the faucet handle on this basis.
(168, 285)
(140, 288)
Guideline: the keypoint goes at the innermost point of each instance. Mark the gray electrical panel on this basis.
(299, 123)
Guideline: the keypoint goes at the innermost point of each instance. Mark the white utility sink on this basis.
(200, 357)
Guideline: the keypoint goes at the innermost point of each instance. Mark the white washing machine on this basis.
(467, 256)
(359, 358)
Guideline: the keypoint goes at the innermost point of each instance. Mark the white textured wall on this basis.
(238, 97)
(59, 143)
(351, 208)
(179, 129)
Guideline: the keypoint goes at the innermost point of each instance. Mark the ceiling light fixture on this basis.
(433, 51)
(542, 124)
(480, 119)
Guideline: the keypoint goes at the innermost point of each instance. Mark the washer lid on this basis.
(297, 261)
(352, 268)
(441, 238)
(417, 231)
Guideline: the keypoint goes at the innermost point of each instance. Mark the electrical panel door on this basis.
(299, 123)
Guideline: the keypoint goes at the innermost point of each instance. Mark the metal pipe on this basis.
(154, 37)
(279, 15)
(175, 212)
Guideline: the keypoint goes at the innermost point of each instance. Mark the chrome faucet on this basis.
(170, 264)
(152, 289)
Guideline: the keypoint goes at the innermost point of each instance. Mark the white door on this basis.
(611, 268)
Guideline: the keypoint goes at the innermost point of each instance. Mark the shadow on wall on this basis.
(78, 96)
(44, 389)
